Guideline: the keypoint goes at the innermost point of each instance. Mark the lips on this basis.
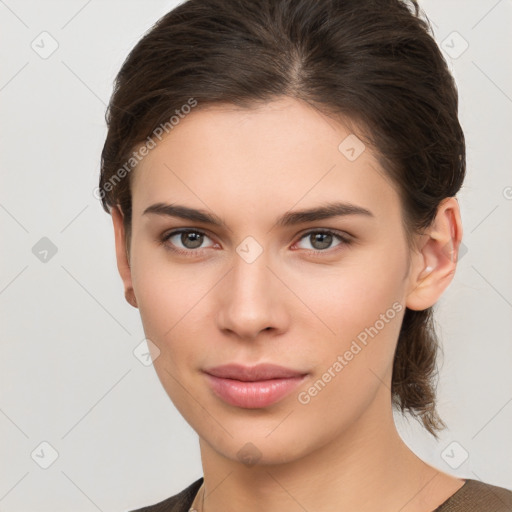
(253, 373)
(253, 387)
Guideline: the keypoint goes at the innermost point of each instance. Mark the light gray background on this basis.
(68, 373)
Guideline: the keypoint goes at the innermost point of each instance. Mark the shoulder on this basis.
(477, 496)
(180, 502)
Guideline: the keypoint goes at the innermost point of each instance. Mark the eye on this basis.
(191, 240)
(321, 239)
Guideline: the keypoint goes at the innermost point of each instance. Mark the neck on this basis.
(366, 468)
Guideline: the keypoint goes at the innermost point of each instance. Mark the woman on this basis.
(281, 176)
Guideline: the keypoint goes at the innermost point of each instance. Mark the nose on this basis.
(252, 299)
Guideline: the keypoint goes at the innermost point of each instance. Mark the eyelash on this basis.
(345, 241)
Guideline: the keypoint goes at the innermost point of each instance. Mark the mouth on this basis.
(253, 387)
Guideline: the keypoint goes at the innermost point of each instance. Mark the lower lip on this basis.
(253, 395)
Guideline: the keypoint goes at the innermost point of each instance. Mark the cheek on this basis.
(166, 295)
(363, 309)
(170, 311)
(361, 304)
(164, 291)
(351, 297)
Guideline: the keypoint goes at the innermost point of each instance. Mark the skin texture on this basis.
(341, 450)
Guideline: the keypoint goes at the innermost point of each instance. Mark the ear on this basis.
(123, 263)
(433, 267)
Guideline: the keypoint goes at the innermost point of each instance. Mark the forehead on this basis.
(267, 158)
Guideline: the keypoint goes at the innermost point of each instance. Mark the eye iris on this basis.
(195, 238)
(325, 240)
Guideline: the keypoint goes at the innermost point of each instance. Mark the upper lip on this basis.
(253, 373)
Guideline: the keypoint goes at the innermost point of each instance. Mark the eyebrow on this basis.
(336, 209)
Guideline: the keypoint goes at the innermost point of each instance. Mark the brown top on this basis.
(473, 496)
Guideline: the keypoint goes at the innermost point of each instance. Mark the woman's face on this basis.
(259, 290)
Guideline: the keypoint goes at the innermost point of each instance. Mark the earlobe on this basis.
(123, 264)
(435, 264)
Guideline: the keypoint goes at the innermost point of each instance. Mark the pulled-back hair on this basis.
(371, 63)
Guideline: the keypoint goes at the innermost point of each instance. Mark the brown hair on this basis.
(372, 63)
